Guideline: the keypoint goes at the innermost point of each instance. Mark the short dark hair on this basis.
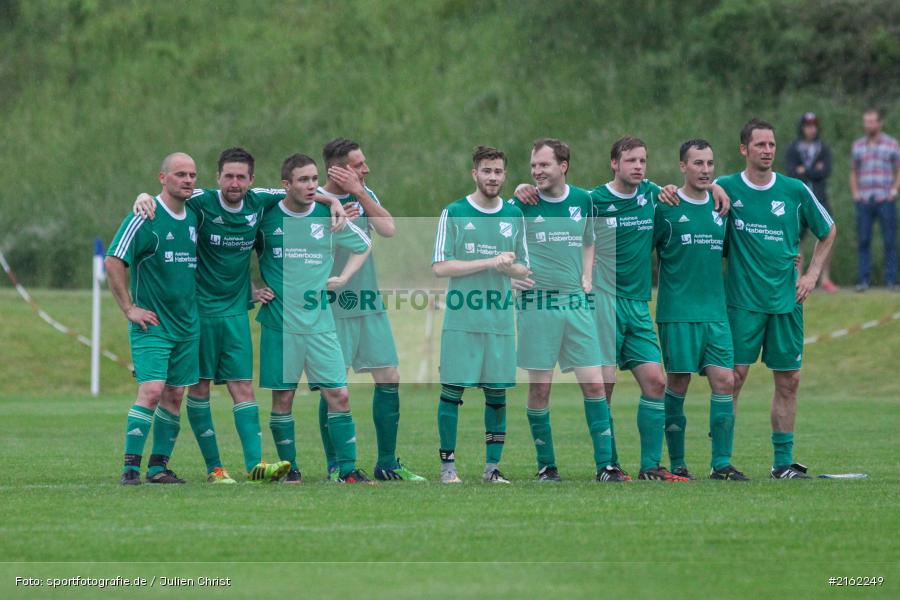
(336, 151)
(294, 161)
(487, 153)
(560, 149)
(236, 155)
(877, 111)
(623, 145)
(751, 126)
(698, 143)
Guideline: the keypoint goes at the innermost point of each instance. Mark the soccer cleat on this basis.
(728, 472)
(683, 472)
(450, 476)
(355, 476)
(131, 477)
(166, 476)
(830, 287)
(292, 477)
(219, 475)
(333, 473)
(612, 473)
(495, 476)
(397, 473)
(266, 472)
(794, 471)
(548, 474)
(660, 473)
(619, 468)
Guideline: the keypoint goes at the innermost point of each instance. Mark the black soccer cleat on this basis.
(355, 476)
(548, 474)
(167, 476)
(292, 478)
(131, 477)
(612, 473)
(794, 471)
(683, 472)
(729, 473)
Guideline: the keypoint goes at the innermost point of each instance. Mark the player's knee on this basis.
(242, 391)
(282, 401)
(788, 382)
(199, 389)
(150, 393)
(593, 389)
(338, 399)
(388, 376)
(656, 386)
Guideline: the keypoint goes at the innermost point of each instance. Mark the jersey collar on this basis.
(753, 186)
(288, 211)
(553, 200)
(689, 200)
(494, 211)
(180, 217)
(613, 191)
(227, 208)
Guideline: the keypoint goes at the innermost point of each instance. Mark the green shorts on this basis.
(691, 347)
(605, 321)
(283, 357)
(157, 358)
(779, 336)
(226, 348)
(635, 337)
(470, 359)
(367, 342)
(567, 335)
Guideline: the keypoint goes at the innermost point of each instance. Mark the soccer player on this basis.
(690, 311)
(764, 294)
(480, 244)
(555, 322)
(296, 251)
(363, 328)
(229, 219)
(160, 304)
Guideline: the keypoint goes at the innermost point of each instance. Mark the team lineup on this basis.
(575, 262)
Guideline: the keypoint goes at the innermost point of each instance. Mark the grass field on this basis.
(63, 514)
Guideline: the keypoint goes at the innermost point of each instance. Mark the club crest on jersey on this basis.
(540, 236)
(251, 219)
(685, 239)
(611, 222)
(506, 229)
(469, 227)
(641, 201)
(717, 218)
(317, 230)
(575, 213)
(192, 231)
(470, 247)
(777, 208)
(170, 256)
(738, 224)
(215, 240)
(276, 252)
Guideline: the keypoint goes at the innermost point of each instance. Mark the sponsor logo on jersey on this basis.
(276, 252)
(470, 247)
(169, 256)
(317, 230)
(469, 226)
(169, 236)
(611, 222)
(738, 224)
(641, 201)
(215, 240)
(218, 221)
(575, 213)
(683, 219)
(777, 208)
(539, 219)
(278, 231)
(717, 218)
(611, 208)
(506, 229)
(192, 232)
(251, 220)
(738, 203)
(685, 239)
(540, 236)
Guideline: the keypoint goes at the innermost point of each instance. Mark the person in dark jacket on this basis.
(808, 159)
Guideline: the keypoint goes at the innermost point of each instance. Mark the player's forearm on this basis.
(854, 186)
(517, 271)
(380, 218)
(587, 259)
(821, 252)
(460, 268)
(117, 280)
(354, 263)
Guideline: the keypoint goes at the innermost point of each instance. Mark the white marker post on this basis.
(99, 275)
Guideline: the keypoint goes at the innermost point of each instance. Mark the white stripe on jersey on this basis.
(441, 238)
(821, 208)
(360, 233)
(525, 244)
(128, 236)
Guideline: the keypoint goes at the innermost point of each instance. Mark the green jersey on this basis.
(623, 226)
(763, 238)
(481, 302)
(557, 230)
(162, 254)
(364, 282)
(296, 253)
(227, 236)
(689, 240)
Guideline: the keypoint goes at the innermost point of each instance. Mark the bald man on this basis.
(161, 308)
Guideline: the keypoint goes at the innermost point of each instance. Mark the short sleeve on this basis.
(445, 239)
(813, 214)
(129, 240)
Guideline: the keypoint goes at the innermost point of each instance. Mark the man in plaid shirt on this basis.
(874, 180)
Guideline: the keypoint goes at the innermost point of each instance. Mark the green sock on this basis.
(246, 421)
(539, 421)
(448, 419)
(386, 415)
(282, 426)
(166, 426)
(343, 438)
(200, 418)
(330, 458)
(494, 424)
(676, 423)
(651, 419)
(614, 452)
(137, 427)
(783, 443)
(596, 413)
(721, 429)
